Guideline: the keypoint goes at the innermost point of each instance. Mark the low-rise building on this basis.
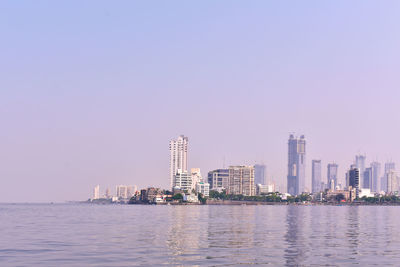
(183, 180)
(192, 198)
(331, 195)
(203, 188)
(366, 192)
(264, 189)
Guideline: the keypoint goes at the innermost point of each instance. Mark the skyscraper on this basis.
(296, 165)
(376, 172)
(316, 176)
(332, 174)
(389, 166)
(354, 179)
(260, 174)
(241, 180)
(360, 163)
(367, 177)
(392, 185)
(178, 157)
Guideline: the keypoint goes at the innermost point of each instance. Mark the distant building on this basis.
(260, 174)
(124, 191)
(376, 172)
(331, 195)
(264, 189)
(354, 179)
(130, 191)
(218, 179)
(191, 198)
(241, 180)
(332, 186)
(392, 184)
(107, 195)
(367, 177)
(178, 157)
(365, 192)
(196, 177)
(316, 176)
(332, 174)
(183, 180)
(203, 188)
(296, 165)
(152, 193)
(96, 192)
(389, 166)
(360, 163)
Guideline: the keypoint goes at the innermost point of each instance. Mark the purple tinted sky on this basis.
(91, 92)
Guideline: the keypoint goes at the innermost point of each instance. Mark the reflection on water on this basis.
(294, 253)
(91, 235)
(352, 231)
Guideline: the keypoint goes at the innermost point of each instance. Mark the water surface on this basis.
(135, 235)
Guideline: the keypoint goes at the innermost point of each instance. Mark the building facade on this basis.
(296, 165)
(178, 156)
(124, 191)
(389, 166)
(392, 184)
(203, 188)
(367, 179)
(218, 179)
(241, 180)
(196, 177)
(316, 176)
(332, 174)
(183, 181)
(376, 172)
(354, 179)
(260, 174)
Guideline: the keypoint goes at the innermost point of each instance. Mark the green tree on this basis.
(202, 199)
(178, 196)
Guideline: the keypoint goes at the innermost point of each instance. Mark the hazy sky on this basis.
(91, 92)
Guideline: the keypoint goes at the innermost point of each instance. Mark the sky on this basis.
(91, 92)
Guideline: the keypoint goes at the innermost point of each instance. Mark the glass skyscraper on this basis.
(296, 165)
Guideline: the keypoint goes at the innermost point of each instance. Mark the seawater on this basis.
(140, 235)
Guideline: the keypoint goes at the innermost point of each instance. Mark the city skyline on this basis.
(95, 99)
(252, 180)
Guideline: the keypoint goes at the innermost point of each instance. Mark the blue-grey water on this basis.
(135, 235)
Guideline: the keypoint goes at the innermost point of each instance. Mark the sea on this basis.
(201, 235)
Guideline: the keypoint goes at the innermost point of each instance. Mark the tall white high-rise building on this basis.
(96, 192)
(178, 157)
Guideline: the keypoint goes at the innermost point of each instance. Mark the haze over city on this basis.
(93, 95)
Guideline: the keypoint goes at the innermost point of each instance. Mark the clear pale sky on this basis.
(91, 92)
